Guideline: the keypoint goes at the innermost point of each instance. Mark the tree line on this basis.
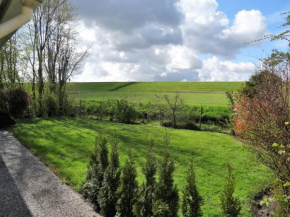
(114, 191)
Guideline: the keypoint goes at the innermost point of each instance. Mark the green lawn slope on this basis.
(65, 144)
(193, 93)
(182, 87)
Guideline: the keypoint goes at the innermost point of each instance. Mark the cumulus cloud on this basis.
(215, 70)
(207, 30)
(128, 14)
(163, 40)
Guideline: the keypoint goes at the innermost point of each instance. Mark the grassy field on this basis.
(194, 93)
(66, 143)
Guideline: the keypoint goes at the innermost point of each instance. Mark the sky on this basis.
(176, 40)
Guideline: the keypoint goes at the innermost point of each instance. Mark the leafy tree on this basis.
(96, 169)
(166, 201)
(144, 205)
(128, 189)
(108, 193)
(231, 206)
(192, 201)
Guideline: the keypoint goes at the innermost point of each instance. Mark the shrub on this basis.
(108, 193)
(6, 120)
(125, 112)
(251, 87)
(128, 190)
(18, 101)
(144, 205)
(91, 107)
(51, 104)
(97, 165)
(231, 206)
(166, 201)
(192, 201)
(263, 121)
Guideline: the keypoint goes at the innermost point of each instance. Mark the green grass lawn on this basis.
(66, 143)
(182, 87)
(194, 93)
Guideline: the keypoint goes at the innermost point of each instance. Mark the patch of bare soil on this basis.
(263, 211)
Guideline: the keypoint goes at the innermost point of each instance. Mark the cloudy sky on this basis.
(176, 40)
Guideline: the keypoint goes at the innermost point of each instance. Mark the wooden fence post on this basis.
(200, 117)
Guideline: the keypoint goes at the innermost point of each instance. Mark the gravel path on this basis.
(29, 188)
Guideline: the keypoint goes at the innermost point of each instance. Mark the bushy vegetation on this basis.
(166, 198)
(231, 205)
(17, 100)
(145, 199)
(96, 171)
(183, 116)
(191, 201)
(261, 117)
(127, 192)
(108, 196)
(125, 112)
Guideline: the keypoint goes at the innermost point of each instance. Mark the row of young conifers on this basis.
(114, 191)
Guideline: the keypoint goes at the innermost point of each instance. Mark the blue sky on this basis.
(177, 40)
(271, 10)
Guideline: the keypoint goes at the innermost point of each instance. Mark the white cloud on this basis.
(215, 70)
(208, 31)
(182, 58)
(163, 40)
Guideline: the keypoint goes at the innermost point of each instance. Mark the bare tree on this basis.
(174, 105)
(63, 57)
(10, 63)
(53, 48)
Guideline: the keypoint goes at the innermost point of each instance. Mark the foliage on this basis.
(96, 169)
(108, 193)
(144, 205)
(261, 120)
(51, 104)
(125, 112)
(6, 120)
(128, 190)
(18, 101)
(251, 87)
(166, 201)
(231, 206)
(191, 201)
(231, 108)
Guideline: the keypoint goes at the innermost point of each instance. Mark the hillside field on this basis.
(193, 93)
(65, 145)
